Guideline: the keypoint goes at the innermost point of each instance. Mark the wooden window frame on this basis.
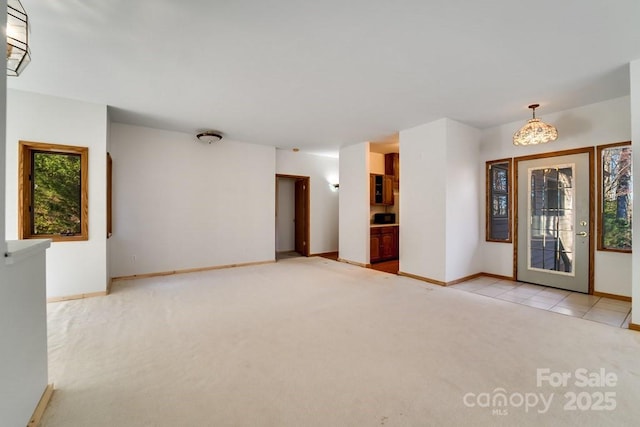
(109, 196)
(24, 189)
(488, 200)
(600, 227)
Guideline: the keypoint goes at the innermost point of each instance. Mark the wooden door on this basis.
(302, 216)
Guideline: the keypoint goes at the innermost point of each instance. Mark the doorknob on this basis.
(582, 234)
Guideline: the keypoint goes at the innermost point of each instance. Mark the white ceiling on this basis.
(319, 74)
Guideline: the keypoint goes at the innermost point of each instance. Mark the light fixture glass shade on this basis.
(535, 131)
(18, 53)
(209, 137)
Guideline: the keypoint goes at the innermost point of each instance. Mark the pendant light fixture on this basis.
(18, 53)
(535, 131)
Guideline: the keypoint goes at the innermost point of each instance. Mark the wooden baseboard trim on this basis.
(612, 296)
(498, 276)
(422, 279)
(464, 279)
(439, 282)
(41, 407)
(189, 270)
(359, 264)
(78, 296)
(634, 327)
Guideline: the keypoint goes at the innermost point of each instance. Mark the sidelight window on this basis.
(498, 209)
(615, 204)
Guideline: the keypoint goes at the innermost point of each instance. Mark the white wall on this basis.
(376, 163)
(635, 138)
(423, 204)
(180, 204)
(73, 267)
(322, 172)
(462, 205)
(23, 324)
(285, 215)
(3, 134)
(586, 126)
(354, 203)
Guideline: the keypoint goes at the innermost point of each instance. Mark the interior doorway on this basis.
(292, 216)
(555, 220)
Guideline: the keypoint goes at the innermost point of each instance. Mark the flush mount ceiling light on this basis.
(535, 131)
(209, 136)
(18, 53)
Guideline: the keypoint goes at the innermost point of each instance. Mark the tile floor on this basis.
(598, 309)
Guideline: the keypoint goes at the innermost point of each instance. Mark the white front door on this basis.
(554, 221)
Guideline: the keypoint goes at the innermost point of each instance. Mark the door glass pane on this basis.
(551, 219)
(499, 181)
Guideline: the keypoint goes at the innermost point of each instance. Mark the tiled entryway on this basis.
(599, 309)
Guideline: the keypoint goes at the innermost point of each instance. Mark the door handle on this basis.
(582, 234)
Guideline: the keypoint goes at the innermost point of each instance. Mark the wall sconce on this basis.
(18, 52)
(336, 185)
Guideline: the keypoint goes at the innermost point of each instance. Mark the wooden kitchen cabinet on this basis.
(384, 244)
(387, 194)
(375, 246)
(381, 189)
(392, 168)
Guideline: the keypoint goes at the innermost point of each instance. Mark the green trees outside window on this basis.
(56, 193)
(53, 191)
(616, 197)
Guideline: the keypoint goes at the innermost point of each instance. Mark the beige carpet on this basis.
(314, 342)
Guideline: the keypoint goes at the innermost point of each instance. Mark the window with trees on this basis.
(615, 204)
(53, 194)
(498, 202)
